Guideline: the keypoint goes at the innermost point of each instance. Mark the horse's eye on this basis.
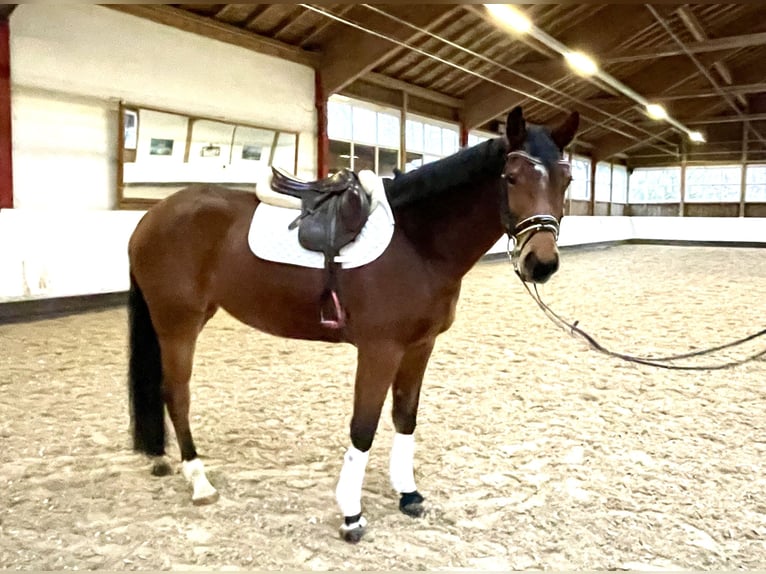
(510, 178)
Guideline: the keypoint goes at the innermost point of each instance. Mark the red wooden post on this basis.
(6, 156)
(323, 142)
(463, 135)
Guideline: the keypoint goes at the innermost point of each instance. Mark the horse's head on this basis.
(536, 179)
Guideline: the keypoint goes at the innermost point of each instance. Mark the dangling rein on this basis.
(660, 362)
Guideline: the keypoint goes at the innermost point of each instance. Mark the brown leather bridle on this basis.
(526, 228)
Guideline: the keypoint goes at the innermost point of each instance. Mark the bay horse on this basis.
(189, 256)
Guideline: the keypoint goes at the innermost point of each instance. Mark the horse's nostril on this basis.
(543, 270)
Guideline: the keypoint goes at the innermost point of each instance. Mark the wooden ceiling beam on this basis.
(234, 13)
(323, 28)
(413, 90)
(353, 52)
(662, 76)
(488, 100)
(739, 89)
(294, 23)
(611, 27)
(615, 103)
(382, 95)
(426, 70)
(188, 22)
(728, 119)
(667, 51)
(614, 144)
(697, 31)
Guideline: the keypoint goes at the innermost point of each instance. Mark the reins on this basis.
(659, 362)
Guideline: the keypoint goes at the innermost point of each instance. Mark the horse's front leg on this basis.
(406, 395)
(377, 365)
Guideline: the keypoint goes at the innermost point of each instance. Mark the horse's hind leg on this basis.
(177, 347)
(406, 396)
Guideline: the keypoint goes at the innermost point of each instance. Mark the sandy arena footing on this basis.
(533, 451)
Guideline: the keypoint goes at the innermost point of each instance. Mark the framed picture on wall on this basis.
(130, 120)
(211, 151)
(161, 147)
(252, 152)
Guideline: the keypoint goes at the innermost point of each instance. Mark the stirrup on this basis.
(340, 317)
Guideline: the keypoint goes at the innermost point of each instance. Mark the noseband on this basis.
(526, 228)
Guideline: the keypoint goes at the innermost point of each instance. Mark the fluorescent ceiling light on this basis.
(656, 111)
(510, 16)
(581, 63)
(697, 137)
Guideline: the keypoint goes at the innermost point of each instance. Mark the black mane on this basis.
(458, 170)
(466, 167)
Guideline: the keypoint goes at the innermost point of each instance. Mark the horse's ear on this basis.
(515, 129)
(565, 133)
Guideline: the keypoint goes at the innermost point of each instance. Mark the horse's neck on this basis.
(452, 233)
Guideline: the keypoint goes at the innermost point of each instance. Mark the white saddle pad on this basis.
(270, 239)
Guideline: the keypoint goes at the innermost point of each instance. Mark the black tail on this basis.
(147, 409)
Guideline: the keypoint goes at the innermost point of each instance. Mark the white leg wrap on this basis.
(361, 523)
(348, 493)
(194, 473)
(402, 463)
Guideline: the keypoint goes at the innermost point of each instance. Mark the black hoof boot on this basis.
(353, 528)
(411, 503)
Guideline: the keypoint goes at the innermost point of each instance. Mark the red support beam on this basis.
(323, 142)
(6, 157)
(463, 135)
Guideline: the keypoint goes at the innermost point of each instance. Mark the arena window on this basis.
(755, 182)
(362, 136)
(655, 185)
(580, 186)
(713, 184)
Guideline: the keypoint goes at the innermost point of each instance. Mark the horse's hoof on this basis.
(209, 498)
(411, 504)
(353, 535)
(161, 467)
(353, 528)
(204, 494)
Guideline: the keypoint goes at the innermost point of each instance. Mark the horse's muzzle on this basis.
(537, 259)
(539, 269)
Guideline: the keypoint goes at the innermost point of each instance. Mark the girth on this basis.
(333, 212)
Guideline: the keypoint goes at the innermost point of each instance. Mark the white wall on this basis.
(734, 229)
(70, 67)
(584, 230)
(55, 254)
(72, 64)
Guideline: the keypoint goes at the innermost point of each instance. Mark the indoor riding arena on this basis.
(609, 158)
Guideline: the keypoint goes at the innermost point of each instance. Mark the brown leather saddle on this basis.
(333, 213)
